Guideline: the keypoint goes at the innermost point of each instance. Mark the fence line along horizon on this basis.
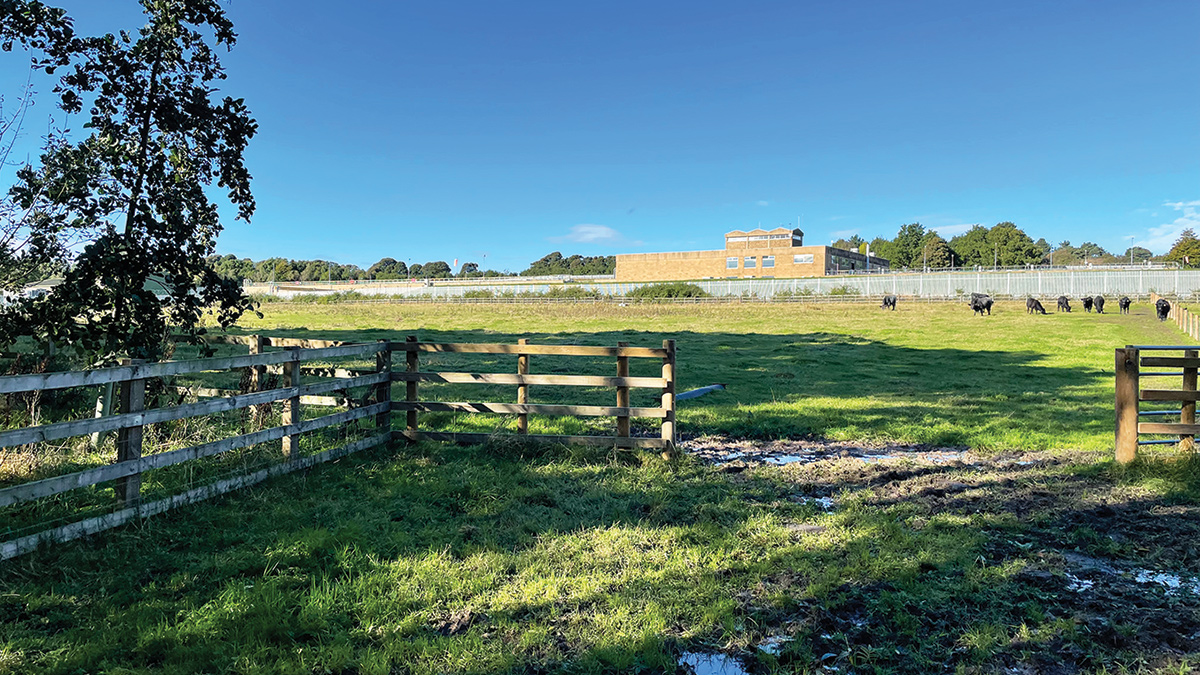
(944, 284)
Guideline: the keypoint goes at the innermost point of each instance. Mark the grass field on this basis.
(927, 373)
(1030, 557)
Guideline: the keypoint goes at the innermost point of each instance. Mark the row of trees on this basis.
(282, 269)
(1003, 244)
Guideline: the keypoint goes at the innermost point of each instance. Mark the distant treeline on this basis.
(283, 269)
(1003, 244)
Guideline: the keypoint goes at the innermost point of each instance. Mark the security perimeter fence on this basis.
(1010, 283)
(178, 444)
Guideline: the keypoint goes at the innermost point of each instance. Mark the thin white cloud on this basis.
(763, 202)
(1161, 238)
(951, 230)
(844, 233)
(588, 233)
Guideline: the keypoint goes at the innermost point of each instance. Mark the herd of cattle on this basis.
(982, 302)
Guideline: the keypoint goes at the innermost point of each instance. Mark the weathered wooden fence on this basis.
(1184, 318)
(523, 379)
(1129, 396)
(131, 462)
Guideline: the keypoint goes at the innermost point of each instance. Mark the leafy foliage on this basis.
(677, 289)
(158, 140)
(555, 263)
(1186, 250)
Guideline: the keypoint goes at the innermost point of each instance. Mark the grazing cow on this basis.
(889, 302)
(981, 303)
(1163, 308)
(1099, 302)
(1087, 303)
(1124, 304)
(1064, 305)
(1034, 306)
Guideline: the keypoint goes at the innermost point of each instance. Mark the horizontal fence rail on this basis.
(286, 369)
(131, 379)
(1129, 396)
(412, 376)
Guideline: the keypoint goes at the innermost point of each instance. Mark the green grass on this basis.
(926, 373)
(502, 559)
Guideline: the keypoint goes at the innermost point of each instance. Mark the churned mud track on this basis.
(1091, 573)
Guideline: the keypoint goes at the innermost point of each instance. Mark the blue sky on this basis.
(427, 131)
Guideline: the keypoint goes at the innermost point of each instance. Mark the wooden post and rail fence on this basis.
(298, 391)
(1179, 361)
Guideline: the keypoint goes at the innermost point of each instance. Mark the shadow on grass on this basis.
(805, 384)
(498, 559)
(440, 559)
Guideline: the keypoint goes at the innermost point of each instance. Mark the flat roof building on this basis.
(757, 254)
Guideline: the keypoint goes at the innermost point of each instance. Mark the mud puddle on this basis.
(722, 450)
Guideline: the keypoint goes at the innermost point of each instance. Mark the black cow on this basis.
(889, 302)
(1099, 302)
(1034, 306)
(981, 303)
(1087, 303)
(1064, 305)
(1163, 308)
(1124, 304)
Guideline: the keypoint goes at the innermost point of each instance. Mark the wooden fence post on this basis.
(522, 389)
(668, 398)
(104, 403)
(291, 407)
(383, 390)
(411, 365)
(129, 439)
(1187, 411)
(1126, 404)
(257, 413)
(622, 394)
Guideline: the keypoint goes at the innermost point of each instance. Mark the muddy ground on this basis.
(1112, 565)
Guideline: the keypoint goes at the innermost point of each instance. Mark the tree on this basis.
(140, 180)
(437, 268)
(884, 249)
(1011, 246)
(1091, 250)
(906, 247)
(971, 245)
(935, 252)
(1137, 254)
(469, 270)
(1186, 250)
(388, 268)
(30, 248)
(555, 263)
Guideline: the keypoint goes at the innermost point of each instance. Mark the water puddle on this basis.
(1173, 584)
(722, 451)
(774, 644)
(702, 663)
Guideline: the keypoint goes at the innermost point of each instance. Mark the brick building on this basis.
(757, 254)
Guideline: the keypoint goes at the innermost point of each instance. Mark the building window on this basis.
(731, 263)
(759, 237)
(768, 261)
(802, 259)
(735, 239)
(751, 262)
